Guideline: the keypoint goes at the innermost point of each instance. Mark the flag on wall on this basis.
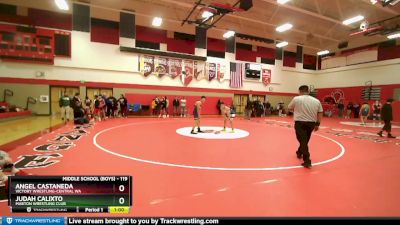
(146, 64)
(266, 76)
(236, 75)
(212, 71)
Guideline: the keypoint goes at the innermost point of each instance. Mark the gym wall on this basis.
(23, 91)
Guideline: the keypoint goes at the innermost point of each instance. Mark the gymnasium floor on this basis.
(16, 129)
(253, 172)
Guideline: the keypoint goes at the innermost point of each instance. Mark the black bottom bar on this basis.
(44, 210)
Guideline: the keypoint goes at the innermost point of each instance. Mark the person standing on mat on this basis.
(349, 110)
(387, 117)
(65, 103)
(183, 107)
(340, 107)
(377, 111)
(307, 116)
(364, 112)
(196, 115)
(228, 113)
(175, 103)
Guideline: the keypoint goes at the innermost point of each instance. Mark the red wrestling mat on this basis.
(257, 175)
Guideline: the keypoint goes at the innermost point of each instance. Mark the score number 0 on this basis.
(121, 200)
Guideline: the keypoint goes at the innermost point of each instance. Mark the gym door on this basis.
(240, 102)
(55, 95)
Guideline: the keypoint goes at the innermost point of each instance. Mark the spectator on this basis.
(166, 102)
(79, 116)
(175, 103)
(123, 105)
(364, 112)
(349, 109)
(356, 108)
(153, 107)
(76, 101)
(97, 109)
(183, 107)
(4, 109)
(248, 109)
(340, 107)
(219, 106)
(88, 106)
(65, 103)
(377, 111)
(281, 109)
(6, 166)
(111, 104)
(162, 107)
(267, 108)
(158, 105)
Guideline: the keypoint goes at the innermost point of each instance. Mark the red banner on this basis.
(266, 76)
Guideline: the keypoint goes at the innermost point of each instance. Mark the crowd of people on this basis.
(102, 108)
(161, 105)
(258, 108)
(363, 111)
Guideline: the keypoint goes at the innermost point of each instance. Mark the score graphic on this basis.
(88, 194)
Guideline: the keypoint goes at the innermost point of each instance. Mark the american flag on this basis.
(236, 75)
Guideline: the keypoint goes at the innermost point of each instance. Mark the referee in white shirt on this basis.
(307, 116)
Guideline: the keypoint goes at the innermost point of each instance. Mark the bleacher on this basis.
(9, 111)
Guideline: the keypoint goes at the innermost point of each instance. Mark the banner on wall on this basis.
(146, 65)
(220, 72)
(185, 69)
(266, 76)
(162, 66)
(212, 71)
(187, 75)
(175, 67)
(199, 70)
(215, 71)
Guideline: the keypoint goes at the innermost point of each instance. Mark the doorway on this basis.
(55, 94)
(240, 102)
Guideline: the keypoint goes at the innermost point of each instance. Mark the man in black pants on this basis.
(387, 117)
(307, 116)
(196, 115)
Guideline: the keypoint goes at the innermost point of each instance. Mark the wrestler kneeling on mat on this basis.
(228, 113)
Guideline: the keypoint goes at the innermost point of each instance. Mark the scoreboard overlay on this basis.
(88, 194)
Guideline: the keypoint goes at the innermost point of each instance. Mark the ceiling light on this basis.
(206, 14)
(62, 4)
(394, 36)
(229, 34)
(157, 21)
(325, 52)
(282, 44)
(353, 20)
(282, 1)
(284, 27)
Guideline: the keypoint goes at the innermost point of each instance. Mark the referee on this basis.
(307, 116)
